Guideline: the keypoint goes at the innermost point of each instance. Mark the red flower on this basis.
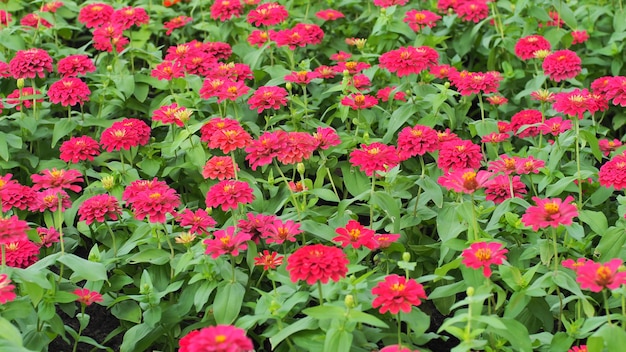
(220, 168)
(216, 338)
(385, 94)
(268, 97)
(579, 37)
(419, 20)
(555, 126)
(97, 207)
(562, 64)
(57, 179)
(14, 195)
(258, 37)
(34, 20)
(23, 97)
(499, 188)
(472, 10)
(125, 134)
(176, 22)
(79, 148)
(607, 146)
(229, 194)
(231, 91)
(388, 3)
(464, 180)
(358, 101)
(30, 63)
(317, 262)
(155, 204)
(6, 289)
(613, 173)
(86, 296)
(596, 276)
(416, 140)
(528, 165)
(95, 15)
(616, 90)
(573, 103)
(298, 146)
(581, 348)
(442, 71)
(48, 236)
(21, 254)
(199, 221)
(168, 70)
(69, 91)
(108, 37)
(263, 150)
(256, 225)
(49, 200)
(409, 60)
(374, 157)
(268, 14)
(172, 114)
(12, 230)
(226, 242)
(396, 294)
(550, 212)
(268, 260)
(130, 16)
(524, 118)
(5, 18)
(459, 154)
(279, 231)
(225, 134)
(494, 137)
(329, 15)
(356, 235)
(483, 254)
(51, 6)
(226, 9)
(470, 83)
(75, 65)
(136, 187)
(301, 77)
(326, 137)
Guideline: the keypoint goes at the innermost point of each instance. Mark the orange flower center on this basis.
(483, 254)
(373, 151)
(56, 173)
(604, 276)
(469, 180)
(220, 338)
(551, 208)
(155, 196)
(351, 65)
(416, 133)
(420, 16)
(359, 99)
(355, 234)
(49, 198)
(397, 287)
(229, 188)
(225, 241)
(460, 148)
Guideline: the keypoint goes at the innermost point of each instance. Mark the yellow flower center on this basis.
(551, 208)
(397, 287)
(420, 17)
(483, 254)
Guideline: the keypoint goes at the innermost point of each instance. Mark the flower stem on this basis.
(580, 184)
(319, 290)
(371, 202)
(399, 330)
(112, 238)
(606, 306)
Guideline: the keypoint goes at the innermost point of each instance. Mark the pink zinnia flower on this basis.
(550, 212)
(220, 168)
(499, 188)
(267, 14)
(613, 172)
(472, 10)
(388, 3)
(528, 165)
(109, 37)
(279, 231)
(12, 229)
(216, 338)
(396, 294)
(359, 101)
(34, 20)
(268, 260)
(596, 276)
(616, 90)
(419, 20)
(317, 262)
(172, 114)
(607, 146)
(87, 297)
(374, 157)
(562, 64)
(6, 289)
(469, 83)
(129, 16)
(464, 180)
(75, 65)
(176, 22)
(228, 194)
(459, 154)
(57, 179)
(21, 254)
(23, 97)
(524, 118)
(98, 207)
(200, 221)
(579, 36)
(263, 150)
(125, 134)
(409, 60)
(48, 236)
(326, 137)
(416, 140)
(229, 241)
(555, 126)
(95, 15)
(573, 103)
(483, 254)
(268, 97)
(155, 204)
(30, 63)
(329, 15)
(526, 47)
(356, 235)
(297, 147)
(69, 91)
(224, 10)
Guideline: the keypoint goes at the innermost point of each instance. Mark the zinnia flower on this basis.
(268, 97)
(596, 276)
(125, 134)
(409, 60)
(228, 194)
(129, 16)
(229, 241)
(279, 231)
(268, 260)
(374, 157)
(416, 140)
(6, 289)
(555, 126)
(459, 154)
(23, 97)
(607, 146)
(79, 148)
(499, 188)
(57, 179)
(200, 221)
(329, 15)
(224, 10)
(98, 207)
(69, 91)
(48, 236)
(396, 294)
(523, 119)
(562, 64)
(267, 14)
(526, 47)
(472, 10)
(30, 63)
(579, 36)
(12, 229)
(49, 200)
(75, 65)
(95, 15)
(356, 235)
(419, 20)
(483, 254)
(176, 22)
(358, 101)
(263, 150)
(218, 338)
(550, 212)
(87, 297)
(613, 172)
(317, 262)
(155, 204)
(220, 168)
(464, 180)
(21, 254)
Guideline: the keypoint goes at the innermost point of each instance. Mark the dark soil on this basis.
(101, 323)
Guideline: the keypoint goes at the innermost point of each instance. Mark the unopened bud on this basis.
(406, 256)
(470, 291)
(108, 182)
(20, 83)
(288, 85)
(349, 301)
(300, 167)
(447, 85)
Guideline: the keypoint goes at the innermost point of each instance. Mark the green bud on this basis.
(349, 302)
(20, 83)
(288, 85)
(300, 167)
(447, 85)
(108, 182)
(470, 291)
(406, 256)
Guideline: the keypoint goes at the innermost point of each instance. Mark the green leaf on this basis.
(9, 333)
(133, 336)
(61, 129)
(388, 205)
(149, 166)
(591, 139)
(83, 269)
(125, 84)
(325, 312)
(614, 337)
(595, 219)
(432, 190)
(611, 244)
(398, 119)
(337, 340)
(151, 255)
(512, 330)
(308, 323)
(128, 311)
(325, 194)
(228, 301)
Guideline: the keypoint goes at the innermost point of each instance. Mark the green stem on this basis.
(580, 184)
(482, 107)
(112, 238)
(80, 328)
(371, 203)
(606, 306)
(399, 330)
(319, 290)
(474, 220)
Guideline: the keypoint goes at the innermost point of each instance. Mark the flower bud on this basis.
(406, 256)
(20, 83)
(288, 85)
(108, 182)
(470, 291)
(300, 167)
(349, 301)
